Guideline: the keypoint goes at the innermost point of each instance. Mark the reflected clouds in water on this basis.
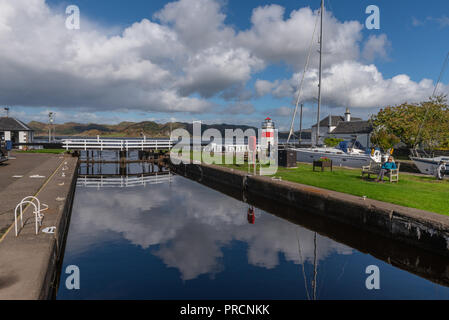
(187, 225)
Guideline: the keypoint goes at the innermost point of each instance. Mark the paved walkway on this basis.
(22, 177)
(28, 262)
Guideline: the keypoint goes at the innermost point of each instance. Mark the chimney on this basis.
(347, 115)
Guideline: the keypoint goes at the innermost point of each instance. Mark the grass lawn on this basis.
(53, 151)
(421, 192)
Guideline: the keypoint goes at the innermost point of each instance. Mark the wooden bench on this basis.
(374, 168)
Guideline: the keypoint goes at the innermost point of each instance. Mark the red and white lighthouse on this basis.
(268, 129)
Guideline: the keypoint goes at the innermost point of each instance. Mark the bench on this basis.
(374, 168)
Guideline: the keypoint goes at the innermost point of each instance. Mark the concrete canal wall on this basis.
(426, 230)
(29, 262)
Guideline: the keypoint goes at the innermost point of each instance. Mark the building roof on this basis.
(335, 120)
(353, 127)
(11, 124)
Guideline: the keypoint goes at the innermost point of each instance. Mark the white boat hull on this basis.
(429, 165)
(343, 159)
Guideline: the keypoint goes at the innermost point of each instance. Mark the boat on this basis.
(348, 153)
(435, 166)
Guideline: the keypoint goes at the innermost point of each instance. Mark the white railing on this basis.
(123, 182)
(38, 215)
(213, 147)
(115, 144)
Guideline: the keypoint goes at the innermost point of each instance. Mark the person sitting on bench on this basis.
(386, 167)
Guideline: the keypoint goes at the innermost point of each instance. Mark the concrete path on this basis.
(28, 262)
(23, 177)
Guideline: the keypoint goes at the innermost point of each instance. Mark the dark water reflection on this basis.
(183, 240)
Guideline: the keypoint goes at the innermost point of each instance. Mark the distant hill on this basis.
(126, 129)
(306, 135)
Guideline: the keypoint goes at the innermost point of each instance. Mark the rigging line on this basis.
(441, 74)
(433, 95)
(302, 80)
(302, 263)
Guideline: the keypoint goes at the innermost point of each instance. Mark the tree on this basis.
(383, 139)
(425, 124)
(332, 142)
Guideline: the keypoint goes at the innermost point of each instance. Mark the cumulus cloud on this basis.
(264, 87)
(183, 58)
(149, 66)
(357, 85)
(276, 39)
(376, 46)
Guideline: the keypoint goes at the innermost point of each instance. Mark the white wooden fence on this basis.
(116, 144)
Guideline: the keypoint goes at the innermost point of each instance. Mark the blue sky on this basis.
(194, 78)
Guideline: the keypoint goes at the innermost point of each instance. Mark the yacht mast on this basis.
(320, 76)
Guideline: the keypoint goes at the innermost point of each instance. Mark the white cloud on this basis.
(183, 56)
(149, 66)
(357, 85)
(275, 39)
(264, 87)
(376, 46)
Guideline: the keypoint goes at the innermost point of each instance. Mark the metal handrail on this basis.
(38, 215)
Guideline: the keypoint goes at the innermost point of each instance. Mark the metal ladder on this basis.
(38, 215)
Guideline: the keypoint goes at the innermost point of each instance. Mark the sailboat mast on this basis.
(300, 125)
(320, 75)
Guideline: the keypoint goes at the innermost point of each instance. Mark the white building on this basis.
(15, 131)
(347, 128)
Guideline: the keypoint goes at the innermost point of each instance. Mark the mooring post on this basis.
(123, 169)
(122, 155)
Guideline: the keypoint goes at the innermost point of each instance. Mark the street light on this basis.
(51, 119)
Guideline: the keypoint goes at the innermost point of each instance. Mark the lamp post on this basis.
(50, 124)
